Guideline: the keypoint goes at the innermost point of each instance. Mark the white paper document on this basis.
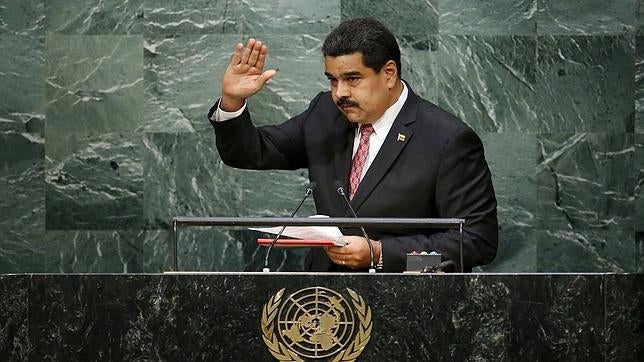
(308, 232)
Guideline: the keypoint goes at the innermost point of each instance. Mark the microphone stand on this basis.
(461, 247)
(340, 190)
(309, 190)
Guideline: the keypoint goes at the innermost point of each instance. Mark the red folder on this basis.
(296, 243)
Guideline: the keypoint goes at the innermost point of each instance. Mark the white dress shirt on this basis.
(381, 128)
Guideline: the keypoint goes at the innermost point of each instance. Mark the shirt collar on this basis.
(382, 126)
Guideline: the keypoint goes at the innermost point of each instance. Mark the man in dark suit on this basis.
(397, 154)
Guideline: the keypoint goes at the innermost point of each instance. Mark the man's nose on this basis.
(342, 90)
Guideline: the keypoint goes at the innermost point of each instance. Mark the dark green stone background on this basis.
(103, 135)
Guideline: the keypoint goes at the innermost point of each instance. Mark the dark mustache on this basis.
(346, 102)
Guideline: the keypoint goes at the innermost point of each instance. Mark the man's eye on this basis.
(353, 80)
(333, 82)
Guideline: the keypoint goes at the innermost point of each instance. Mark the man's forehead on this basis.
(344, 65)
(351, 73)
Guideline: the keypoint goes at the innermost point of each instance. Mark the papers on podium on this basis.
(304, 236)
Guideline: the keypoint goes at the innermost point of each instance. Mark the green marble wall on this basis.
(103, 136)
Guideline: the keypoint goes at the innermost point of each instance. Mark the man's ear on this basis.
(391, 72)
(390, 68)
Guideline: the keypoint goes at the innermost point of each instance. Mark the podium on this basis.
(399, 223)
(413, 317)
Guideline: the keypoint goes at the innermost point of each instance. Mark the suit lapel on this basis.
(396, 140)
(343, 148)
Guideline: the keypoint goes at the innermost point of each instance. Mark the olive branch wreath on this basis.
(282, 353)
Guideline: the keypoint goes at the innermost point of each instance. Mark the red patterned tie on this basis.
(359, 159)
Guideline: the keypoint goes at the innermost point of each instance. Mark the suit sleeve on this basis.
(464, 190)
(242, 145)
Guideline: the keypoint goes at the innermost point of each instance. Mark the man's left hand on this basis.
(355, 254)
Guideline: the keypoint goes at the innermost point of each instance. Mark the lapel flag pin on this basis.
(401, 137)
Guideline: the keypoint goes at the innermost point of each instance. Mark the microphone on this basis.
(339, 188)
(309, 190)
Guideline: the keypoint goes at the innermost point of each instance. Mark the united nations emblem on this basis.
(316, 323)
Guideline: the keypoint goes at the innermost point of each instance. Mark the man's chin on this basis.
(350, 114)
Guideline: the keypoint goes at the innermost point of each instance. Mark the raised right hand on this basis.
(245, 75)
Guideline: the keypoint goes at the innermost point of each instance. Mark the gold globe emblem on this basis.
(316, 323)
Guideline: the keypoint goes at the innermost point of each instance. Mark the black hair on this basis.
(367, 36)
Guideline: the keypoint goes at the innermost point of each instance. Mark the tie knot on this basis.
(366, 129)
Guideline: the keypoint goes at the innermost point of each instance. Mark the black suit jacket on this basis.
(438, 170)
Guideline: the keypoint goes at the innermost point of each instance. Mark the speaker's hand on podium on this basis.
(355, 254)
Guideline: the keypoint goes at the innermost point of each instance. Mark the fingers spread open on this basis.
(247, 51)
(254, 54)
(262, 57)
(236, 58)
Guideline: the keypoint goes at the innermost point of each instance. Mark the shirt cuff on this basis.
(220, 115)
